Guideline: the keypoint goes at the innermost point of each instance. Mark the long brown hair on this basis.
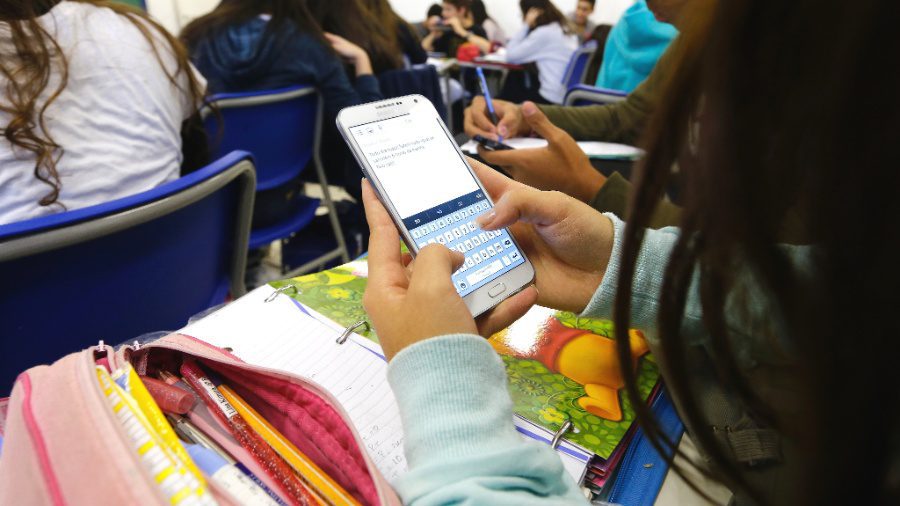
(549, 14)
(37, 56)
(386, 17)
(351, 19)
(777, 110)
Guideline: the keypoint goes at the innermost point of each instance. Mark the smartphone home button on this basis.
(497, 289)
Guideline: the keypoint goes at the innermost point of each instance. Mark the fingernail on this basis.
(485, 219)
(502, 130)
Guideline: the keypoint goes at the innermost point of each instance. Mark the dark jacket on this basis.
(246, 57)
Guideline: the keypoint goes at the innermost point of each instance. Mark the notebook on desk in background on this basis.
(593, 149)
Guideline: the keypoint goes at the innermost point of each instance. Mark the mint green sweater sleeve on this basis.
(747, 310)
(461, 444)
(649, 274)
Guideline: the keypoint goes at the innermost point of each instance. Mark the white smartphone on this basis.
(433, 196)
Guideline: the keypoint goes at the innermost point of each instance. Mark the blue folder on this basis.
(641, 472)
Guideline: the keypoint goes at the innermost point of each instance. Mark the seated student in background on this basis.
(546, 40)
(431, 21)
(457, 28)
(633, 47)
(252, 45)
(572, 172)
(402, 36)
(480, 16)
(352, 20)
(781, 360)
(581, 19)
(92, 104)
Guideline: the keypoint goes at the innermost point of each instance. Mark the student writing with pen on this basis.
(488, 102)
(572, 173)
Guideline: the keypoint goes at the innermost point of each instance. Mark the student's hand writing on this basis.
(511, 122)
(567, 242)
(561, 165)
(412, 301)
(354, 54)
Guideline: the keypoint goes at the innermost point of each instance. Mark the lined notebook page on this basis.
(283, 335)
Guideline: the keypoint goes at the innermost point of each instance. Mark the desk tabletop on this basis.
(490, 64)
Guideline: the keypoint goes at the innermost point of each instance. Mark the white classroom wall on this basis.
(174, 14)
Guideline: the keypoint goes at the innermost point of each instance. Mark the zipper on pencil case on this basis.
(642, 470)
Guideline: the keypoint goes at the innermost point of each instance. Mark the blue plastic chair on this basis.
(583, 94)
(282, 128)
(578, 64)
(117, 270)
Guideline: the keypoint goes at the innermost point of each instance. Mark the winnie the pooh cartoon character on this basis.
(582, 356)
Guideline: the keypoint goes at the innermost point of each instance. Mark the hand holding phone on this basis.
(432, 195)
(571, 247)
(396, 293)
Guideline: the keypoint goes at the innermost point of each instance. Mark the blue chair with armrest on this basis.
(282, 128)
(117, 270)
(578, 63)
(583, 94)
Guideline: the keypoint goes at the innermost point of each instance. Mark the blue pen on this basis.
(487, 98)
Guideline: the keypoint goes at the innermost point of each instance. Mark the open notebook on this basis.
(593, 149)
(284, 334)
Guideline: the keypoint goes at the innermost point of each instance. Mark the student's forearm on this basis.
(461, 444)
(483, 44)
(428, 42)
(363, 65)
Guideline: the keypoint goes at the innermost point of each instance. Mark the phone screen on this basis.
(437, 197)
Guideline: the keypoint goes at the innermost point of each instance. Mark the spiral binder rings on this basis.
(349, 330)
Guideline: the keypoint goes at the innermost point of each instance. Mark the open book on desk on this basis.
(285, 334)
(599, 150)
(282, 334)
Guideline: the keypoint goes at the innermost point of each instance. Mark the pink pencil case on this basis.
(64, 445)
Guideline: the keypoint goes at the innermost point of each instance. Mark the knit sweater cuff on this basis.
(648, 278)
(450, 403)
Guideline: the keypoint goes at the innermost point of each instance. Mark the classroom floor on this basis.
(676, 492)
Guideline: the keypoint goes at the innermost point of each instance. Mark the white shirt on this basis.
(550, 48)
(493, 31)
(118, 119)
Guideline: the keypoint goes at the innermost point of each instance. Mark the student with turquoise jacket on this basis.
(781, 359)
(634, 45)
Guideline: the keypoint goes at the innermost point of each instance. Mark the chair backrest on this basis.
(419, 79)
(281, 128)
(117, 270)
(583, 94)
(578, 63)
